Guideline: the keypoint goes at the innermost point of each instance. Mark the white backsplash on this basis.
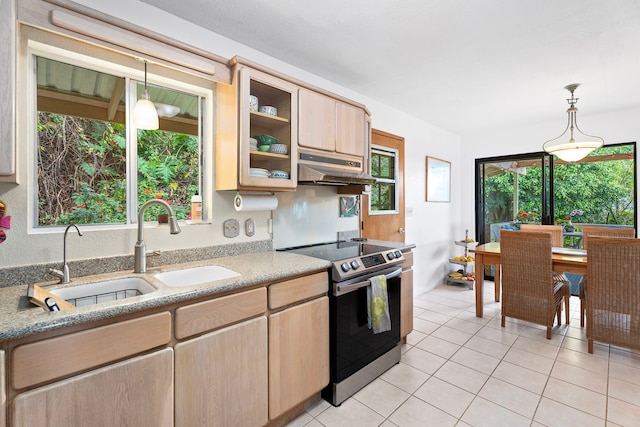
(311, 214)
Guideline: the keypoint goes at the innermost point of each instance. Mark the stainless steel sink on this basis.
(105, 291)
(195, 275)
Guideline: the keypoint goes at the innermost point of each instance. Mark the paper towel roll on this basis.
(255, 203)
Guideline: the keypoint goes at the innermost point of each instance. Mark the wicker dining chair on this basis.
(557, 240)
(613, 300)
(529, 291)
(598, 231)
(555, 230)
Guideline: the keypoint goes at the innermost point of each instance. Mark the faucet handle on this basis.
(153, 253)
(56, 273)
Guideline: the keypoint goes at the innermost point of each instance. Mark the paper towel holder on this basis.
(237, 199)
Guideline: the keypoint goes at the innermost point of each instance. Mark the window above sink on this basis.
(86, 149)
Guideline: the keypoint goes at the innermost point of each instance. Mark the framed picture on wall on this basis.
(349, 206)
(438, 180)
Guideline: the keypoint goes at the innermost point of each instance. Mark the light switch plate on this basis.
(231, 228)
(250, 227)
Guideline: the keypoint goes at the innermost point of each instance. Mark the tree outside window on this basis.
(383, 192)
(83, 145)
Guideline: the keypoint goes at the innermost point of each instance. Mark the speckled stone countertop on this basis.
(19, 318)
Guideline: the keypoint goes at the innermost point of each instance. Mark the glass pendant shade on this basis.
(145, 115)
(572, 151)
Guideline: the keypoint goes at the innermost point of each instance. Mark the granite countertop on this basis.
(19, 318)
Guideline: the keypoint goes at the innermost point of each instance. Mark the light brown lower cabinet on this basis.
(298, 354)
(221, 377)
(3, 393)
(406, 296)
(228, 361)
(135, 392)
(406, 303)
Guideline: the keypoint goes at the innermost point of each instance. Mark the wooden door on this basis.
(387, 226)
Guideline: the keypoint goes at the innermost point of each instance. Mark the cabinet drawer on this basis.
(208, 315)
(408, 260)
(53, 358)
(285, 293)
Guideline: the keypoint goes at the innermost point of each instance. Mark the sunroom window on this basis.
(93, 165)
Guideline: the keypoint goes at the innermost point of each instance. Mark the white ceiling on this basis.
(462, 65)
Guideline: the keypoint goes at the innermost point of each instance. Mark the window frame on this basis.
(378, 149)
(548, 186)
(116, 63)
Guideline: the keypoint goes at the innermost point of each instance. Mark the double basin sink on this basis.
(111, 290)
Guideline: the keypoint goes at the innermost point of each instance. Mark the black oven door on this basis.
(353, 345)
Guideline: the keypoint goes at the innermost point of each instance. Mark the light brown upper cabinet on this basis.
(325, 123)
(238, 167)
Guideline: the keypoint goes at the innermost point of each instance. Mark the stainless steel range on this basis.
(357, 355)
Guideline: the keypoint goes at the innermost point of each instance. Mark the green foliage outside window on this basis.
(383, 192)
(602, 189)
(82, 170)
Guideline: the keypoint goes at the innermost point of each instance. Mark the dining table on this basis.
(565, 260)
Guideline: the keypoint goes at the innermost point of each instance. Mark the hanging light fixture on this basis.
(573, 150)
(145, 115)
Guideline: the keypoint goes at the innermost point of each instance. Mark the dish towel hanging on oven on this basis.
(378, 305)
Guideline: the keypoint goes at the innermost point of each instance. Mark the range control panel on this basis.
(351, 267)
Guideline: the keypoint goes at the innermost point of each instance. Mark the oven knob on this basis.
(398, 254)
(355, 265)
(345, 266)
(391, 255)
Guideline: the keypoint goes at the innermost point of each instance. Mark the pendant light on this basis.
(573, 150)
(145, 115)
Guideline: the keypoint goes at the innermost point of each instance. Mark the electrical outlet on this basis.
(250, 227)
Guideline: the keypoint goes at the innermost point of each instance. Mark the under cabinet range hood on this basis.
(331, 169)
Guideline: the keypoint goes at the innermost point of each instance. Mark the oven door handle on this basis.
(343, 289)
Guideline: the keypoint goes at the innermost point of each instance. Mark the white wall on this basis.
(309, 215)
(431, 226)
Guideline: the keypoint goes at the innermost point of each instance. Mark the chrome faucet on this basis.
(140, 251)
(64, 274)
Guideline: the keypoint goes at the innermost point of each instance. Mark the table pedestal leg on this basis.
(496, 281)
(479, 287)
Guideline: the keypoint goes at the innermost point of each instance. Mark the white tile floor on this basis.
(460, 370)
